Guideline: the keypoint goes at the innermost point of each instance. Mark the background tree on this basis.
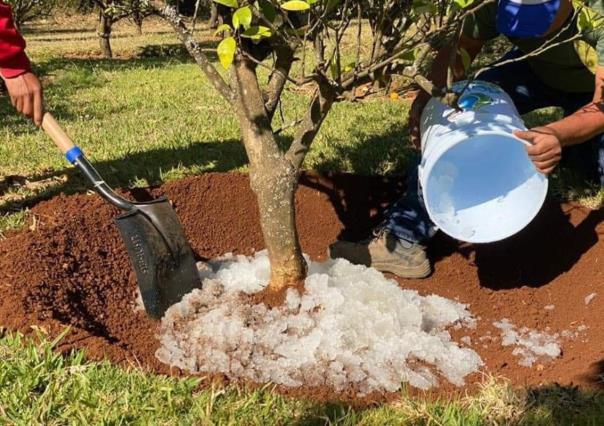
(302, 43)
(29, 10)
(112, 11)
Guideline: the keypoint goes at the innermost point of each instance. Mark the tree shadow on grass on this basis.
(564, 405)
(88, 35)
(216, 156)
(34, 29)
(83, 73)
(149, 56)
(545, 405)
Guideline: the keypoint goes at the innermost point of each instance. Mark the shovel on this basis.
(155, 240)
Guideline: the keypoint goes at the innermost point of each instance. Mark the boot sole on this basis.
(416, 272)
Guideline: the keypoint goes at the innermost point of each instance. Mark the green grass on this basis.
(145, 120)
(40, 386)
(148, 117)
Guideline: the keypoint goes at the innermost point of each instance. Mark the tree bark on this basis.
(273, 179)
(283, 64)
(105, 24)
(214, 17)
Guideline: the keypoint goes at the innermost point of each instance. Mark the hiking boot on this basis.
(386, 253)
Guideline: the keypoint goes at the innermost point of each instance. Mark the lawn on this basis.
(144, 120)
(147, 117)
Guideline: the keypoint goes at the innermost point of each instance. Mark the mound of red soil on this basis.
(70, 268)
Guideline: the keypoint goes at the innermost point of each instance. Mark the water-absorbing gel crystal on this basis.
(351, 328)
(530, 345)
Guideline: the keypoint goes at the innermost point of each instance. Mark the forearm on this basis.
(13, 61)
(581, 126)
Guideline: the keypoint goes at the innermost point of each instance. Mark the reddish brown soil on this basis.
(72, 269)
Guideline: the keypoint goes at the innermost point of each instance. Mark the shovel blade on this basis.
(160, 254)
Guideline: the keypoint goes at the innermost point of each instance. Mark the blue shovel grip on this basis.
(73, 154)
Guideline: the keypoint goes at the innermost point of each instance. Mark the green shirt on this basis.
(560, 67)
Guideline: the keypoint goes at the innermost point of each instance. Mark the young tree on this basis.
(29, 10)
(112, 11)
(275, 35)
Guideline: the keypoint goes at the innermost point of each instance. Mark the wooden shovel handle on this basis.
(56, 133)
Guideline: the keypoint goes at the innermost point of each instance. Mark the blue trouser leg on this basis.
(408, 218)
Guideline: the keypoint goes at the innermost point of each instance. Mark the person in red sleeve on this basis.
(23, 86)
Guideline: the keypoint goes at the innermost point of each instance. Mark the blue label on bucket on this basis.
(474, 101)
(477, 95)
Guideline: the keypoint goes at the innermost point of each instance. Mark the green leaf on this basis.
(332, 4)
(230, 3)
(242, 17)
(334, 70)
(295, 5)
(583, 21)
(257, 32)
(463, 3)
(222, 28)
(421, 7)
(466, 60)
(408, 55)
(226, 52)
(589, 19)
(268, 10)
(349, 66)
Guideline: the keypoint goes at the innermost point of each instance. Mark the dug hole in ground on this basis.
(527, 308)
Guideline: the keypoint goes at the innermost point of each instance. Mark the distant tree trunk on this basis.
(138, 21)
(17, 23)
(138, 16)
(214, 17)
(273, 179)
(105, 24)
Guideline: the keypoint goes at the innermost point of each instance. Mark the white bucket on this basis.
(478, 182)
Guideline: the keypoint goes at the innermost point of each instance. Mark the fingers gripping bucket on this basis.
(478, 182)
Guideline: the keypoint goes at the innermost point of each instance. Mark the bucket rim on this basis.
(423, 171)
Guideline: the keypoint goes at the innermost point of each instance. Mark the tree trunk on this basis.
(275, 190)
(214, 18)
(138, 20)
(105, 23)
(273, 179)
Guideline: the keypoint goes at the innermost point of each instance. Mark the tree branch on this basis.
(283, 64)
(320, 106)
(169, 14)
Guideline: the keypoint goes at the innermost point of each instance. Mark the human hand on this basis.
(545, 147)
(25, 92)
(415, 115)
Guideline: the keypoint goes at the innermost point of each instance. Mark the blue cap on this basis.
(526, 18)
